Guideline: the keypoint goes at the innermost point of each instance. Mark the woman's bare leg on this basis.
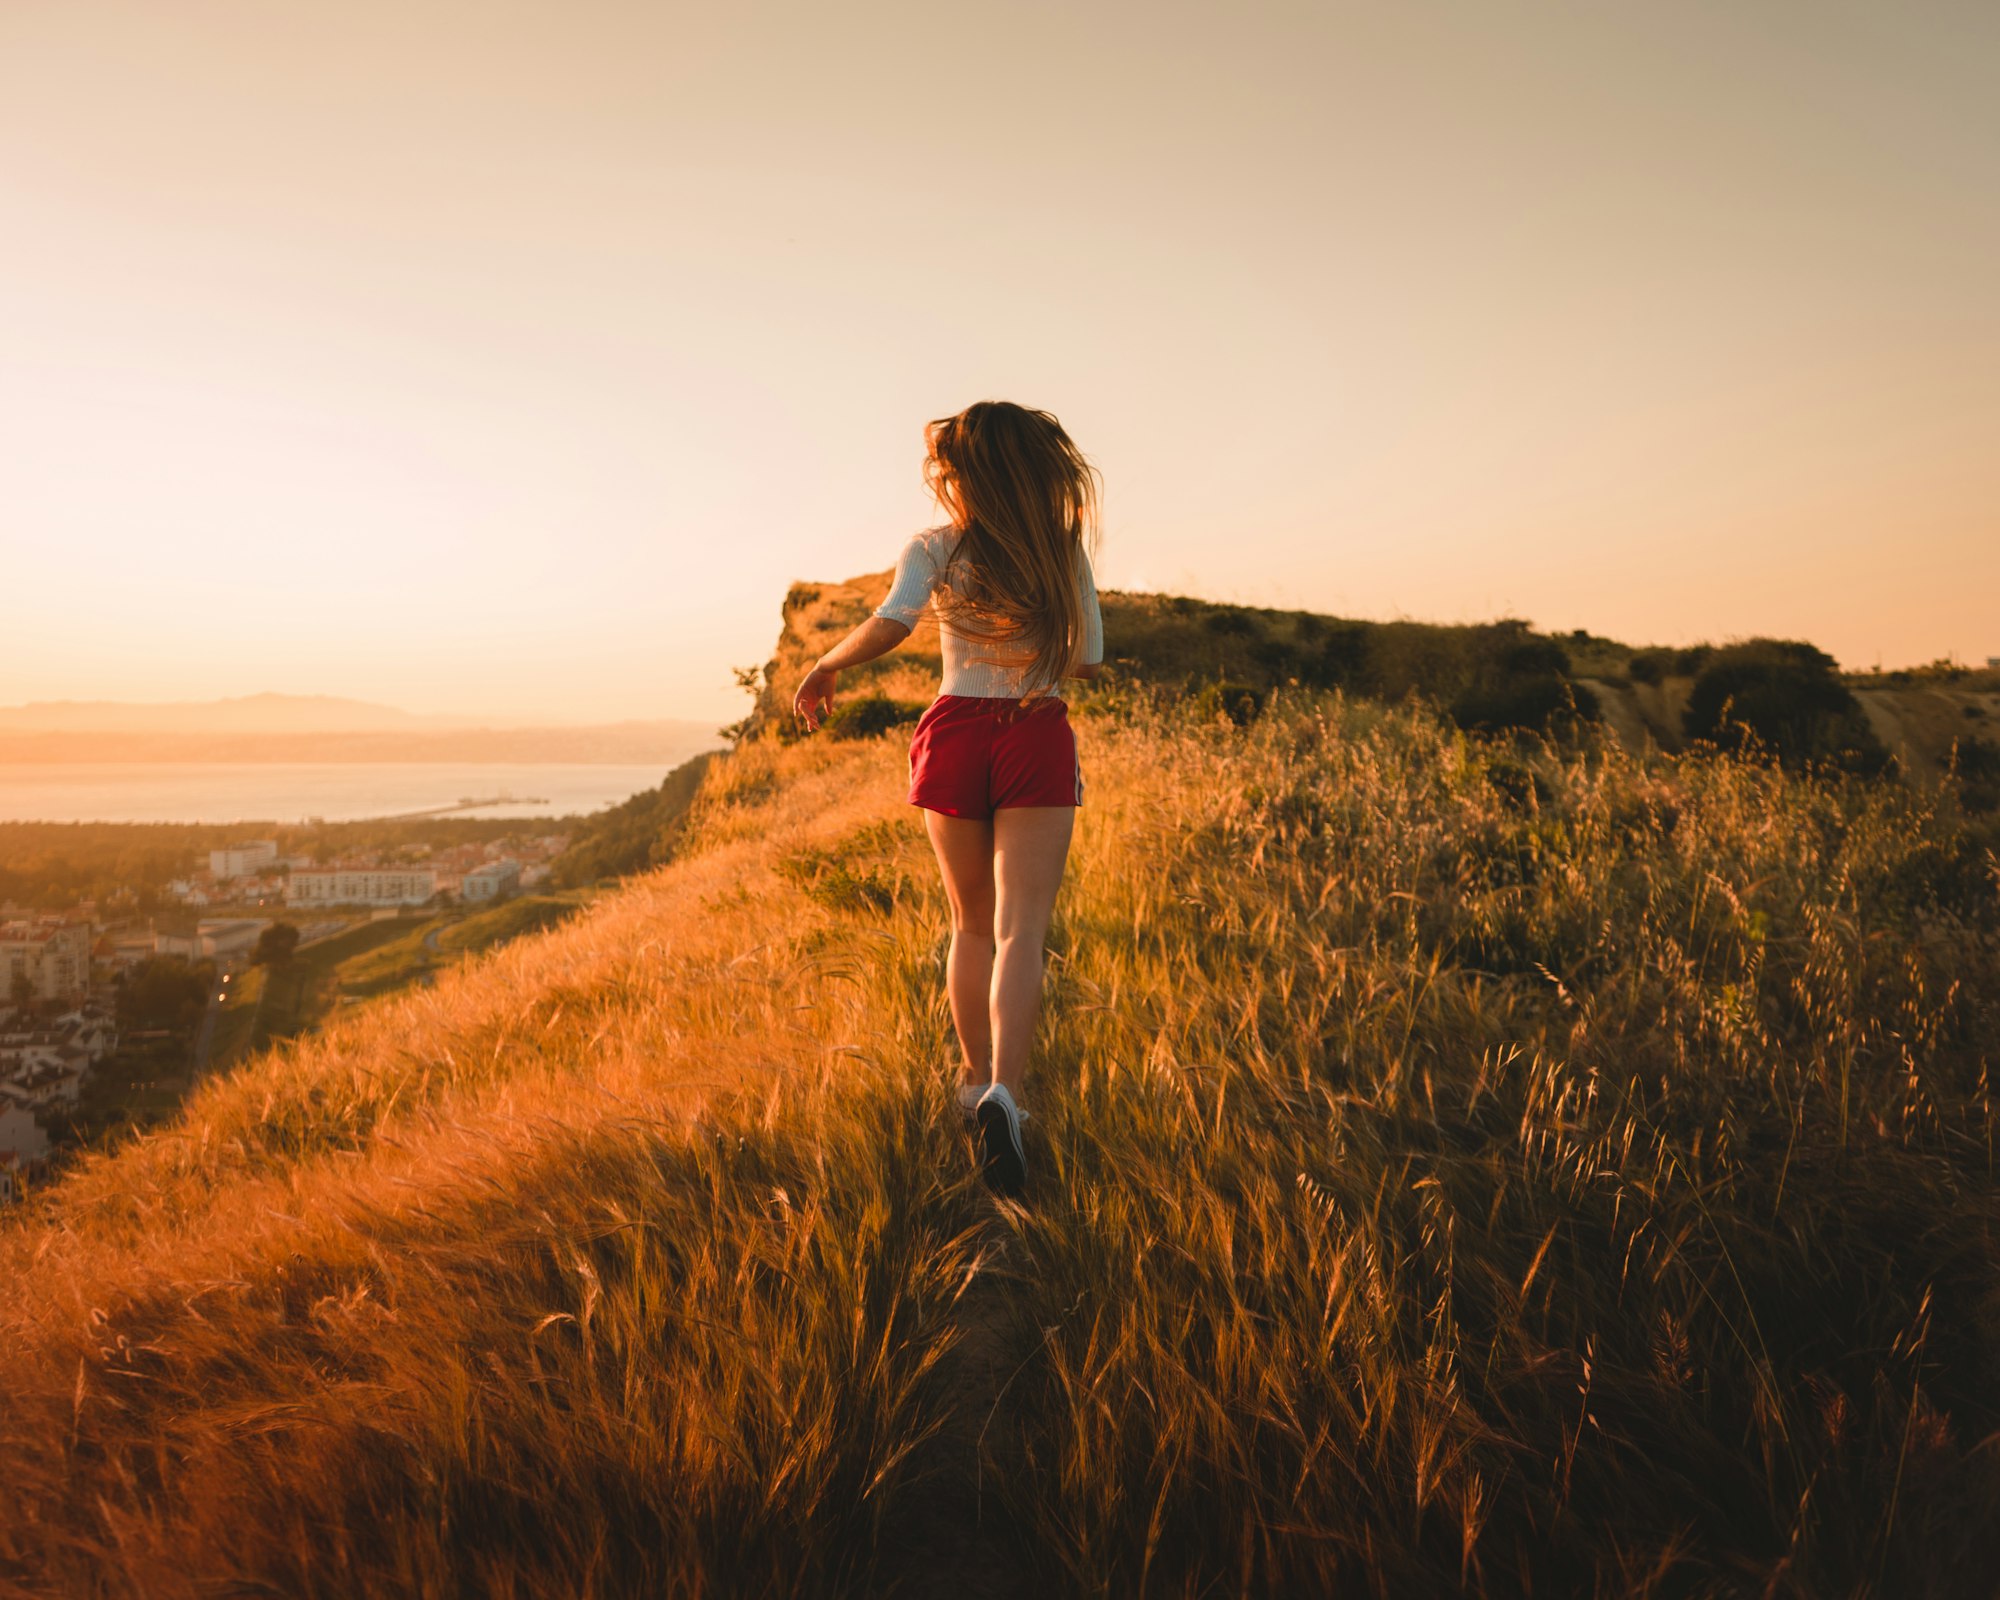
(964, 849)
(1030, 847)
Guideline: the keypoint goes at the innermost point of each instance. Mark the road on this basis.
(205, 1040)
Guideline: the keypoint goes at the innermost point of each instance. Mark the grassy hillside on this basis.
(1457, 1167)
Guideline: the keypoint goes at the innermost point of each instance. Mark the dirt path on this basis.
(1620, 715)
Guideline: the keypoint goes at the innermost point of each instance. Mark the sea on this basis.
(347, 791)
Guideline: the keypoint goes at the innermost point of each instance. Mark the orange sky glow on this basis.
(511, 359)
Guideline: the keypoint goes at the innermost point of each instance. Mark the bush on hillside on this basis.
(1518, 680)
(867, 715)
(1531, 656)
(632, 836)
(1239, 702)
(1657, 664)
(1976, 762)
(836, 883)
(1531, 701)
(1278, 657)
(1783, 696)
(1339, 657)
(276, 945)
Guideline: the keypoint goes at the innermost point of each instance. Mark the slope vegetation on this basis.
(1497, 1168)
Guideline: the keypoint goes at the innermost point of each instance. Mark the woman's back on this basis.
(980, 668)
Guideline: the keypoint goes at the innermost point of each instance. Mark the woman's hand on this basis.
(815, 697)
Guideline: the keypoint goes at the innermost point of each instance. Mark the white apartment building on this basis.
(493, 882)
(51, 954)
(243, 860)
(361, 886)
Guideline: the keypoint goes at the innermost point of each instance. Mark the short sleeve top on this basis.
(918, 569)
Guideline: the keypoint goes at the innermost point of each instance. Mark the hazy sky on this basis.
(514, 358)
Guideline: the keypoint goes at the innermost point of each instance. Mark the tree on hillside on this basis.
(275, 945)
(165, 992)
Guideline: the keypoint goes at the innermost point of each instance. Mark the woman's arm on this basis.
(874, 636)
(871, 637)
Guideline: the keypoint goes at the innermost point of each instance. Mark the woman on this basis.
(993, 763)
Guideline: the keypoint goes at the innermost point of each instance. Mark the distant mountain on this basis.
(253, 713)
(288, 727)
(616, 744)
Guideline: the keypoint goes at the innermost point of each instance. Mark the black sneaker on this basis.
(1006, 1165)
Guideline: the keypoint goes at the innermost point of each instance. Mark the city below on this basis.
(112, 1007)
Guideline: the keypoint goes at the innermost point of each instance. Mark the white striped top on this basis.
(917, 572)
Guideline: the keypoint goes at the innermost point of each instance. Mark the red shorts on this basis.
(972, 755)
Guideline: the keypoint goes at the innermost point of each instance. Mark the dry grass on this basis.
(1455, 1169)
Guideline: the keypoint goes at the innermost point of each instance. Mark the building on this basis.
(226, 939)
(496, 882)
(42, 1082)
(185, 946)
(46, 959)
(127, 952)
(361, 886)
(242, 860)
(213, 939)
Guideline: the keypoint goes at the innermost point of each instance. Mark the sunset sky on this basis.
(512, 359)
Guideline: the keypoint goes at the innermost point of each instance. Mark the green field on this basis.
(368, 960)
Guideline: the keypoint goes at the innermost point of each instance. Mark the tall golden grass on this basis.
(1456, 1168)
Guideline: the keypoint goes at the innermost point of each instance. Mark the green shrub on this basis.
(1340, 657)
(834, 884)
(1784, 696)
(1976, 762)
(1647, 666)
(1516, 679)
(1542, 700)
(1517, 783)
(1533, 657)
(1227, 619)
(1657, 664)
(1278, 657)
(1978, 758)
(1239, 702)
(870, 714)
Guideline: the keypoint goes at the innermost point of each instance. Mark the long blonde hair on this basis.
(1025, 502)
